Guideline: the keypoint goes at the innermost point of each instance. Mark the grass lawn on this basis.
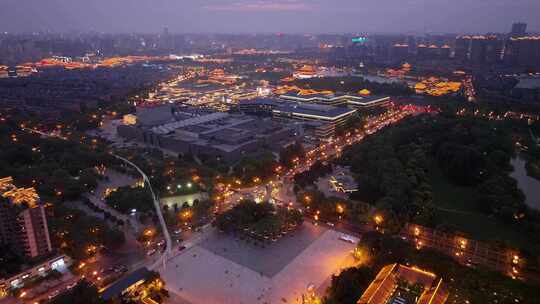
(455, 207)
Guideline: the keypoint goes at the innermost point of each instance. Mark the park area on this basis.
(222, 268)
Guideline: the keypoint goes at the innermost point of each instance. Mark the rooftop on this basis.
(116, 289)
(355, 99)
(16, 195)
(383, 288)
(528, 83)
(302, 109)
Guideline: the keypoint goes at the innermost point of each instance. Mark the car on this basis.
(181, 248)
(348, 238)
(54, 294)
(150, 252)
(178, 231)
(330, 224)
(120, 269)
(70, 286)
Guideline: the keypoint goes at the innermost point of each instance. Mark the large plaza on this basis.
(223, 269)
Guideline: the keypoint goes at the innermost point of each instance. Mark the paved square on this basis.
(199, 275)
(269, 260)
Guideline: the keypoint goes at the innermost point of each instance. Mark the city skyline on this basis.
(269, 151)
(267, 16)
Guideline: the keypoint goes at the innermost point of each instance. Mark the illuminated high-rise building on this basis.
(478, 49)
(523, 51)
(463, 44)
(400, 51)
(23, 223)
(445, 51)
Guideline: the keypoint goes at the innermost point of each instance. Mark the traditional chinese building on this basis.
(397, 283)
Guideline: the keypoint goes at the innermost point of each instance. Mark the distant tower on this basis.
(166, 39)
(519, 29)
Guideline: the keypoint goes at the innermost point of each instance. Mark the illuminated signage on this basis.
(359, 39)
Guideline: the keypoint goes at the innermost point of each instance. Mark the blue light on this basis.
(359, 39)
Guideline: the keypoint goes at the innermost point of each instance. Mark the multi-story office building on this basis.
(478, 50)
(523, 51)
(400, 52)
(217, 135)
(462, 48)
(23, 224)
(519, 29)
(353, 100)
(321, 119)
(444, 51)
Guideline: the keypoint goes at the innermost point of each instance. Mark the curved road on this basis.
(157, 205)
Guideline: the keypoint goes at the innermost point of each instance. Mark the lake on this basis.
(527, 184)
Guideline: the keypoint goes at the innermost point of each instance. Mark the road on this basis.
(281, 185)
(157, 205)
(278, 189)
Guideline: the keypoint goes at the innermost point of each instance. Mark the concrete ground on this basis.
(267, 260)
(206, 273)
(323, 185)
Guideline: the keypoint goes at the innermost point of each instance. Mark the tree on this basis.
(288, 154)
(83, 293)
(348, 286)
(461, 163)
(201, 210)
(10, 263)
(124, 199)
(500, 195)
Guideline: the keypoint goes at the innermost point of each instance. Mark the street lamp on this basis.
(149, 232)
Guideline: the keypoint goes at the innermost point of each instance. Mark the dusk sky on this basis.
(289, 16)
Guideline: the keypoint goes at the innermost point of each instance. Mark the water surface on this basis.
(530, 186)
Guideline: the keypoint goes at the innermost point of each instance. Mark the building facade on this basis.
(396, 283)
(321, 119)
(223, 136)
(23, 223)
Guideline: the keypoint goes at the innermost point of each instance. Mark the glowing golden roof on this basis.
(364, 92)
(307, 69)
(18, 195)
(420, 86)
(22, 195)
(6, 184)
